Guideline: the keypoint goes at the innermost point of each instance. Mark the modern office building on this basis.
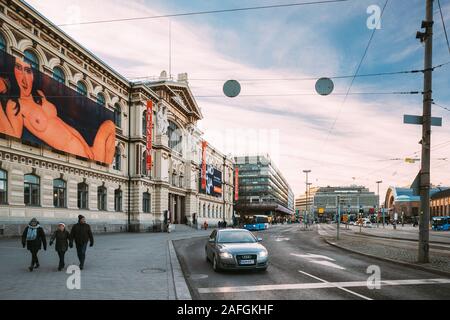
(304, 201)
(353, 199)
(85, 152)
(262, 188)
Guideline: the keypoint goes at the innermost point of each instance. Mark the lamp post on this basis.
(306, 187)
(378, 206)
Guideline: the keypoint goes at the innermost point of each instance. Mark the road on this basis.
(303, 266)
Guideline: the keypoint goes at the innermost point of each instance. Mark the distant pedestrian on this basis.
(82, 234)
(224, 224)
(62, 237)
(205, 225)
(34, 238)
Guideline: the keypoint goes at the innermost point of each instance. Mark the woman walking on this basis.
(62, 236)
(33, 237)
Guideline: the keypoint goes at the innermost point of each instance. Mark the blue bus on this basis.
(441, 223)
(257, 222)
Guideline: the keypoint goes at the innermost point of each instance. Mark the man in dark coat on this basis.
(61, 235)
(82, 234)
(33, 237)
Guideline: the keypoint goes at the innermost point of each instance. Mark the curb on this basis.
(179, 282)
(411, 265)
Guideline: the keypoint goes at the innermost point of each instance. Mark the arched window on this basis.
(58, 75)
(146, 202)
(31, 58)
(101, 198)
(101, 99)
(3, 187)
(144, 123)
(175, 137)
(117, 115)
(32, 190)
(117, 159)
(2, 43)
(204, 210)
(144, 163)
(83, 195)
(59, 193)
(81, 88)
(118, 200)
(209, 211)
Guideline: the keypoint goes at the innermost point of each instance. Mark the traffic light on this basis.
(361, 210)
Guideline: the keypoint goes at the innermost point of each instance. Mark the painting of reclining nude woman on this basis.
(38, 109)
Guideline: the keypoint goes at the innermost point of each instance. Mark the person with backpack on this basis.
(34, 238)
(61, 236)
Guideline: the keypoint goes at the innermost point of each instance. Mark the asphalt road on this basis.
(302, 266)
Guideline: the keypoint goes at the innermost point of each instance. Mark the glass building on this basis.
(262, 188)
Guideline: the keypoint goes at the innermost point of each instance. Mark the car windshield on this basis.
(236, 237)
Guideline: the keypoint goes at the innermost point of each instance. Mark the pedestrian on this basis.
(205, 225)
(82, 234)
(61, 235)
(224, 224)
(34, 238)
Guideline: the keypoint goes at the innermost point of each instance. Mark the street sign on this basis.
(411, 119)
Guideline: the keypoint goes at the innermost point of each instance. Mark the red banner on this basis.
(149, 134)
(236, 184)
(204, 145)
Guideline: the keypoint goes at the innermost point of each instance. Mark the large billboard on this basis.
(38, 109)
(213, 185)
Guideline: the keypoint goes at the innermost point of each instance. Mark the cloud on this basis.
(369, 129)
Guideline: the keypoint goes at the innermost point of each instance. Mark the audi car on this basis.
(236, 249)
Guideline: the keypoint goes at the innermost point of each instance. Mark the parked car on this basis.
(367, 224)
(236, 249)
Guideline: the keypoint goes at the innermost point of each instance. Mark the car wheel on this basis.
(216, 267)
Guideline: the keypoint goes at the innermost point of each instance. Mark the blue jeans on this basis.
(81, 252)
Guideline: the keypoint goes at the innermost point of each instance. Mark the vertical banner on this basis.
(236, 184)
(149, 134)
(204, 145)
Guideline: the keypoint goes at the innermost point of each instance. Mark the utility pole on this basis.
(307, 196)
(378, 206)
(427, 38)
(339, 216)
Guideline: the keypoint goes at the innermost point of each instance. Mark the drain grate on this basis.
(153, 270)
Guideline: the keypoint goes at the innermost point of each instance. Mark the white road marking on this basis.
(282, 239)
(321, 285)
(339, 286)
(312, 258)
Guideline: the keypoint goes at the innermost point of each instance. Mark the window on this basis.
(101, 99)
(81, 88)
(3, 187)
(144, 163)
(32, 190)
(117, 115)
(101, 198)
(175, 137)
(118, 200)
(2, 43)
(117, 159)
(144, 123)
(58, 75)
(83, 195)
(146, 202)
(31, 58)
(59, 193)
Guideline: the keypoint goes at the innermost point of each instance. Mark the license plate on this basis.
(247, 262)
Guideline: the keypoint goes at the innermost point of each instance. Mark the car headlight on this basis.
(226, 255)
(263, 254)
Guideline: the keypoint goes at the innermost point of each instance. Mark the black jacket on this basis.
(36, 243)
(81, 233)
(62, 240)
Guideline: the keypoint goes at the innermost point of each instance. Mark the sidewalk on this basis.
(403, 252)
(407, 232)
(119, 266)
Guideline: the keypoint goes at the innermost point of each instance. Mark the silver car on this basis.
(236, 249)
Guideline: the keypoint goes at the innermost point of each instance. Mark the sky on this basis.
(343, 141)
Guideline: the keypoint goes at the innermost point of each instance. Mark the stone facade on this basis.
(172, 183)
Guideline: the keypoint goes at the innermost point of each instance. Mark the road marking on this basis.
(339, 286)
(312, 257)
(282, 239)
(321, 285)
